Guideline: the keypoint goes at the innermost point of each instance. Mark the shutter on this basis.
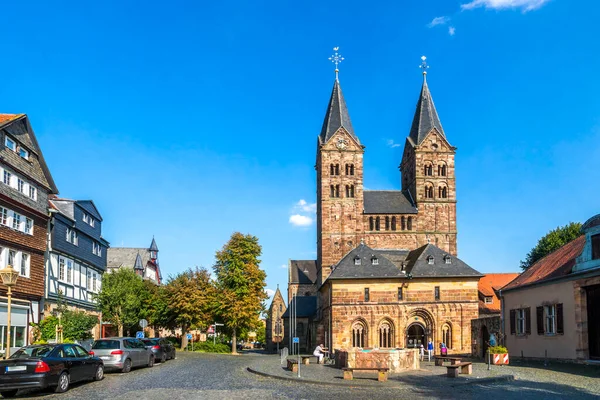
(540, 319)
(512, 322)
(559, 319)
(528, 321)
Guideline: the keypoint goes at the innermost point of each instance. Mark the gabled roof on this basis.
(426, 117)
(277, 296)
(304, 306)
(17, 126)
(556, 264)
(387, 202)
(337, 116)
(138, 263)
(399, 263)
(488, 286)
(153, 246)
(64, 206)
(303, 272)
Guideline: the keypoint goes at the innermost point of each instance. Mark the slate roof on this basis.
(303, 272)
(17, 126)
(556, 264)
(138, 263)
(391, 263)
(153, 246)
(64, 206)
(426, 117)
(118, 257)
(387, 202)
(305, 306)
(337, 116)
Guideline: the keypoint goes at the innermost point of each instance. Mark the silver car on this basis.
(122, 353)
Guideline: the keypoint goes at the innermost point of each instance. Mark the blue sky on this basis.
(190, 121)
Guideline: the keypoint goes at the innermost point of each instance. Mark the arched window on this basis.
(359, 334)
(442, 170)
(331, 170)
(444, 193)
(386, 335)
(409, 224)
(387, 223)
(337, 190)
(429, 191)
(447, 335)
(428, 170)
(403, 223)
(337, 169)
(349, 169)
(371, 224)
(393, 223)
(332, 191)
(349, 190)
(377, 223)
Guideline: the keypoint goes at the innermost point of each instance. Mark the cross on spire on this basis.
(336, 59)
(424, 66)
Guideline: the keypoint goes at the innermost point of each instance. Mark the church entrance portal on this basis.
(593, 317)
(415, 336)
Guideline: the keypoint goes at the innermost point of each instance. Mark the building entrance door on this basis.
(593, 314)
(485, 339)
(415, 336)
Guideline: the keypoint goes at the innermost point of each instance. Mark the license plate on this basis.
(16, 368)
(105, 357)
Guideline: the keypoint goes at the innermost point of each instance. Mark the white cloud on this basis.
(270, 292)
(451, 30)
(391, 143)
(525, 5)
(300, 220)
(302, 205)
(283, 266)
(438, 21)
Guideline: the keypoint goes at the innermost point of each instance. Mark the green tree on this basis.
(189, 296)
(157, 310)
(77, 325)
(240, 285)
(551, 241)
(121, 298)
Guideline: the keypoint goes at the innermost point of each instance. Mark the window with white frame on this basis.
(32, 192)
(23, 153)
(18, 260)
(6, 177)
(520, 321)
(550, 319)
(11, 144)
(29, 226)
(61, 269)
(12, 256)
(89, 280)
(69, 271)
(96, 249)
(94, 282)
(3, 216)
(24, 271)
(88, 219)
(72, 236)
(20, 185)
(488, 300)
(16, 221)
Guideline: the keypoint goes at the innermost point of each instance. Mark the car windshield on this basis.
(150, 341)
(106, 344)
(36, 351)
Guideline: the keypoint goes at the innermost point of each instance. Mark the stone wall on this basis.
(479, 327)
(395, 360)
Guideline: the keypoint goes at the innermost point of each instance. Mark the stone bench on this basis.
(381, 377)
(466, 368)
(439, 360)
(292, 365)
(306, 359)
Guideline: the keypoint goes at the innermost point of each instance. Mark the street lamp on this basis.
(9, 278)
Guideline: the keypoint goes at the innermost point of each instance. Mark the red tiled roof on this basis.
(487, 287)
(8, 117)
(556, 264)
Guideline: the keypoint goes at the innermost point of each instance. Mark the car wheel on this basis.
(126, 366)
(9, 393)
(99, 373)
(151, 362)
(163, 358)
(63, 383)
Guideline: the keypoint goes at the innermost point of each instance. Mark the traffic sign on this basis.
(211, 329)
(296, 340)
(143, 323)
(189, 336)
(139, 334)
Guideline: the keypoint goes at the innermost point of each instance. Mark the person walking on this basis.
(429, 349)
(319, 353)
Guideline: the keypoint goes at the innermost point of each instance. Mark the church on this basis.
(387, 273)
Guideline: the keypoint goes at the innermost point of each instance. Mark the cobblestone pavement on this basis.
(208, 376)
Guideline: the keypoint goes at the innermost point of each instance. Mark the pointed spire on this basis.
(426, 117)
(138, 263)
(153, 246)
(337, 116)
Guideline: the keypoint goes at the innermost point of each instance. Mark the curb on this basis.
(285, 378)
(475, 381)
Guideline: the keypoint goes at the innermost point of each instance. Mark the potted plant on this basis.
(499, 355)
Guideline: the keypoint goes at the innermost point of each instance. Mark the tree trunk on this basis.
(234, 342)
(120, 330)
(184, 341)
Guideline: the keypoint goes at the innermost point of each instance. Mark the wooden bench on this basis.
(292, 365)
(381, 377)
(306, 359)
(466, 368)
(439, 360)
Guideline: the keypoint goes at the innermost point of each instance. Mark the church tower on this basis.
(427, 170)
(339, 185)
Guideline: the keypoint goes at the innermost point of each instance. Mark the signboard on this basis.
(189, 336)
(143, 323)
(211, 329)
(139, 334)
(296, 340)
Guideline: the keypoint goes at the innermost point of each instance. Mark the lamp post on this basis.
(9, 278)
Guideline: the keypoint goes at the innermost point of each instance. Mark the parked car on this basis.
(161, 348)
(48, 365)
(122, 353)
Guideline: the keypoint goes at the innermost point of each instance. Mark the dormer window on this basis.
(430, 260)
(23, 153)
(488, 300)
(374, 261)
(88, 219)
(448, 259)
(356, 260)
(10, 144)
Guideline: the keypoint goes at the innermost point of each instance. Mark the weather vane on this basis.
(424, 65)
(336, 59)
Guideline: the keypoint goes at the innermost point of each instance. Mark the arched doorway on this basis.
(485, 339)
(415, 336)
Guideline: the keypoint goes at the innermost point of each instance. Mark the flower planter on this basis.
(500, 359)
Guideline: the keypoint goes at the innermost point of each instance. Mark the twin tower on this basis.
(422, 212)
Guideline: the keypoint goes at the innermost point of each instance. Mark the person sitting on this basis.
(443, 349)
(319, 353)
